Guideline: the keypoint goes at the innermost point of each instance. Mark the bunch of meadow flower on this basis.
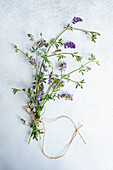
(45, 73)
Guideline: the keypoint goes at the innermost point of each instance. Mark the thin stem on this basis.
(36, 78)
(60, 34)
(86, 31)
(22, 52)
(29, 139)
(72, 80)
(79, 29)
(48, 92)
(33, 96)
(56, 40)
(27, 95)
(59, 54)
(77, 69)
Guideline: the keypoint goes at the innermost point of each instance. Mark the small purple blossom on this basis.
(44, 67)
(51, 77)
(76, 19)
(31, 104)
(39, 95)
(61, 84)
(23, 121)
(40, 43)
(32, 61)
(63, 66)
(66, 96)
(69, 45)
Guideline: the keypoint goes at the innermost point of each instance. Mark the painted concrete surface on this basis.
(91, 106)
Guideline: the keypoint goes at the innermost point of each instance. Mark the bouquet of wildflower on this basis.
(47, 84)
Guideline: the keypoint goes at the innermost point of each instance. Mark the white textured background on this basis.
(91, 107)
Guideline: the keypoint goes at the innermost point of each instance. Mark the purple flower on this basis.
(39, 95)
(32, 61)
(41, 87)
(23, 121)
(40, 43)
(31, 104)
(61, 84)
(76, 19)
(69, 45)
(44, 67)
(51, 77)
(66, 96)
(63, 66)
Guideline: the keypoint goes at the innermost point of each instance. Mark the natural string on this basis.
(42, 121)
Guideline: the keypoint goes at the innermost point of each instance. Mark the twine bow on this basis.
(42, 121)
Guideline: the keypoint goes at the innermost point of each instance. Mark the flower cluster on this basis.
(32, 61)
(63, 66)
(61, 84)
(76, 19)
(66, 96)
(51, 77)
(40, 43)
(69, 45)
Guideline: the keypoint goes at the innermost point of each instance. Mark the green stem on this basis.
(47, 93)
(79, 29)
(27, 95)
(36, 80)
(56, 40)
(72, 80)
(29, 139)
(60, 54)
(22, 52)
(77, 69)
(86, 31)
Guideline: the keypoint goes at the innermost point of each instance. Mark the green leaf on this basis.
(78, 58)
(15, 90)
(97, 62)
(73, 55)
(27, 54)
(82, 81)
(57, 45)
(41, 132)
(15, 46)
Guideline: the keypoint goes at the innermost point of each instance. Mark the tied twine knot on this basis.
(43, 128)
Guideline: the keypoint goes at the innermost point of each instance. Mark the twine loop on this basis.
(42, 121)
